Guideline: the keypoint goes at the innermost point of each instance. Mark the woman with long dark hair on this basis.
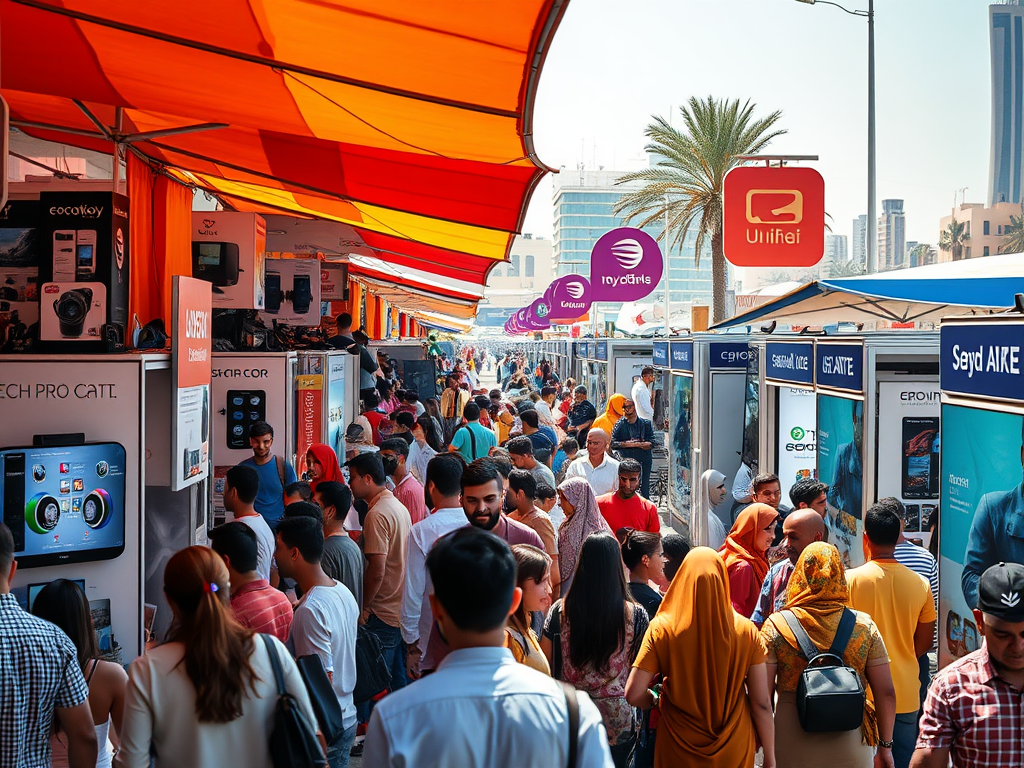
(63, 603)
(206, 698)
(592, 636)
(426, 444)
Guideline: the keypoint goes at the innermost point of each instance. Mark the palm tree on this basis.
(919, 254)
(954, 238)
(837, 268)
(1013, 235)
(687, 182)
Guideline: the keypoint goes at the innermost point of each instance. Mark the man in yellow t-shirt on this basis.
(900, 602)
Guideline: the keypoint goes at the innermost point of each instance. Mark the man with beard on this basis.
(625, 508)
(483, 489)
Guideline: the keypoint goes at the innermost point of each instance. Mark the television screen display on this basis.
(209, 254)
(64, 504)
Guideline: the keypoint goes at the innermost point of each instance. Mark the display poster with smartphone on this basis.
(292, 291)
(982, 513)
(796, 452)
(192, 363)
(751, 411)
(680, 467)
(840, 441)
(336, 403)
(908, 451)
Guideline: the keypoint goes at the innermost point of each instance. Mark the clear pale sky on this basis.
(614, 63)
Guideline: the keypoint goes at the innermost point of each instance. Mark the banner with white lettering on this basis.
(982, 505)
(983, 359)
(839, 366)
(191, 365)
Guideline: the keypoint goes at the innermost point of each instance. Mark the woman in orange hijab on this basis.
(322, 464)
(744, 554)
(612, 414)
(714, 698)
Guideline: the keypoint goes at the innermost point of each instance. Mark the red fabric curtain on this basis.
(144, 292)
(172, 235)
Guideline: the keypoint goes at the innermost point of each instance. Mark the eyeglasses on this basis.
(628, 408)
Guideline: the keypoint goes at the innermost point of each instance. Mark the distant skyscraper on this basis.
(860, 240)
(1006, 26)
(892, 238)
(836, 249)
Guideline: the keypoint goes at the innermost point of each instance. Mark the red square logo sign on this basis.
(773, 217)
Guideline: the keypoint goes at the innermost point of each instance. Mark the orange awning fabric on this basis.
(410, 121)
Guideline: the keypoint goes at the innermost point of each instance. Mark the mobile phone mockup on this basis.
(272, 299)
(302, 293)
(85, 255)
(64, 255)
(920, 464)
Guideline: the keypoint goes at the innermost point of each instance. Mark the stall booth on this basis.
(678, 390)
(626, 359)
(982, 428)
(87, 463)
(892, 379)
(577, 361)
(326, 401)
(415, 368)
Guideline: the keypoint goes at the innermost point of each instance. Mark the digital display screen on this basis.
(85, 255)
(64, 504)
(209, 254)
(35, 589)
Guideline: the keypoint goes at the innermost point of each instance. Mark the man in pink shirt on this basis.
(394, 452)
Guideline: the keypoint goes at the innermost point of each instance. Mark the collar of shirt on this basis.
(986, 669)
(373, 502)
(9, 602)
(604, 460)
(253, 586)
(479, 655)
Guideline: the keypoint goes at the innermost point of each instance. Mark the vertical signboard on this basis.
(309, 400)
(840, 466)
(191, 362)
(336, 403)
(797, 446)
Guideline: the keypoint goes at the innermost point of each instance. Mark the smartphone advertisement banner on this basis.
(908, 450)
(336, 404)
(680, 468)
(982, 513)
(840, 438)
(797, 447)
(309, 390)
(192, 363)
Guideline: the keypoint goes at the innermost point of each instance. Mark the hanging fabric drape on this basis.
(144, 299)
(172, 228)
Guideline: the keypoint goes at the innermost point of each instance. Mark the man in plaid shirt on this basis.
(973, 713)
(39, 676)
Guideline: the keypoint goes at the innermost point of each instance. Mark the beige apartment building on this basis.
(985, 225)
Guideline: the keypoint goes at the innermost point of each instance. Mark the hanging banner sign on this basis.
(840, 366)
(660, 354)
(192, 363)
(773, 217)
(625, 265)
(789, 362)
(983, 360)
(729, 355)
(536, 316)
(569, 298)
(601, 350)
(681, 353)
(309, 396)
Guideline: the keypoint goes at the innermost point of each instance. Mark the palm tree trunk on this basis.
(718, 277)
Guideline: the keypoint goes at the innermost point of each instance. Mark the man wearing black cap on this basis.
(973, 712)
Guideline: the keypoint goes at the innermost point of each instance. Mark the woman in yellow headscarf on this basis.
(817, 595)
(714, 697)
(612, 413)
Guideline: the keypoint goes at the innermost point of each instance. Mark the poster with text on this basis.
(797, 447)
(840, 466)
(680, 467)
(751, 411)
(191, 361)
(982, 520)
(908, 450)
(336, 404)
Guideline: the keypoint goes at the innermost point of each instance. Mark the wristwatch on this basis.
(885, 744)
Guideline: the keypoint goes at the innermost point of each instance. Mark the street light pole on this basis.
(871, 235)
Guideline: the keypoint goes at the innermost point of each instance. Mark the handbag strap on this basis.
(810, 651)
(843, 633)
(556, 640)
(275, 663)
(803, 640)
(572, 704)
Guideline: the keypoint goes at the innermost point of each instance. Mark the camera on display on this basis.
(72, 308)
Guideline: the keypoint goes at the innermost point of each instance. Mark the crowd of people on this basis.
(480, 580)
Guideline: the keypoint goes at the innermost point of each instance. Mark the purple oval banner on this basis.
(625, 265)
(537, 316)
(569, 298)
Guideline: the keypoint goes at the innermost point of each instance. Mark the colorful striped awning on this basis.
(410, 120)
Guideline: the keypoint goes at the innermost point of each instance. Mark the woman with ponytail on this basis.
(206, 698)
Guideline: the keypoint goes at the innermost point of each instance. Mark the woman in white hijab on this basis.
(706, 529)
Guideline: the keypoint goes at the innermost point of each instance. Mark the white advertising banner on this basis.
(796, 450)
(908, 450)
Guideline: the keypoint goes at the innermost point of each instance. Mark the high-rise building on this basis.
(835, 249)
(984, 228)
(892, 239)
(1006, 29)
(584, 203)
(860, 240)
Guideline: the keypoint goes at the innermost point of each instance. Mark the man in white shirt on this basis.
(641, 394)
(443, 487)
(599, 469)
(481, 708)
(325, 623)
(241, 486)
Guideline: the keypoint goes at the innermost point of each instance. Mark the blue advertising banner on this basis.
(681, 355)
(660, 354)
(729, 355)
(789, 362)
(840, 439)
(982, 505)
(588, 347)
(983, 359)
(680, 466)
(840, 366)
(601, 351)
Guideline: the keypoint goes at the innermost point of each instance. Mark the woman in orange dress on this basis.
(714, 698)
(744, 555)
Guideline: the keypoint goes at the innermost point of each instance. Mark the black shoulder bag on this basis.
(829, 696)
(572, 705)
(293, 741)
(372, 672)
(325, 702)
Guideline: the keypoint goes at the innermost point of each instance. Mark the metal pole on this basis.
(872, 233)
(668, 306)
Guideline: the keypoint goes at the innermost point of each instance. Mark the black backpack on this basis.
(830, 695)
(293, 741)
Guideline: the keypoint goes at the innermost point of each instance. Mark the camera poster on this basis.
(840, 467)
(982, 521)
